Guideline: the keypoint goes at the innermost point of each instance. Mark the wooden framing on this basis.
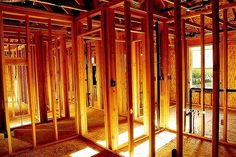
(10, 28)
(20, 11)
(204, 138)
(30, 81)
(202, 32)
(135, 90)
(165, 82)
(225, 73)
(179, 83)
(52, 79)
(105, 80)
(41, 71)
(206, 11)
(149, 87)
(89, 22)
(82, 103)
(216, 78)
(4, 100)
(64, 79)
(16, 61)
(196, 25)
(120, 62)
(129, 78)
(111, 78)
(90, 31)
(96, 11)
(79, 99)
(58, 74)
(107, 67)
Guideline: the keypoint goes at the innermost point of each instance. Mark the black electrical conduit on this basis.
(159, 73)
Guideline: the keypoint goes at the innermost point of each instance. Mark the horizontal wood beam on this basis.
(20, 17)
(16, 61)
(91, 38)
(132, 31)
(9, 29)
(35, 13)
(89, 32)
(136, 13)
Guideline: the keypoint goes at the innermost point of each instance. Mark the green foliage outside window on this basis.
(196, 77)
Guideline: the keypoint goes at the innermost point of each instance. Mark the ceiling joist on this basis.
(67, 11)
(209, 16)
(47, 7)
(60, 6)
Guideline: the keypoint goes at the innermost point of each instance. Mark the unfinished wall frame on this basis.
(3, 88)
(88, 29)
(34, 81)
(216, 90)
(101, 27)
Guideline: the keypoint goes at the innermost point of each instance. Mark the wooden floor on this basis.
(96, 132)
(96, 129)
(78, 147)
(208, 123)
(22, 137)
(166, 142)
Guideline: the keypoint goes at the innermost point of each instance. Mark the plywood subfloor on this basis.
(208, 123)
(195, 148)
(22, 138)
(96, 129)
(166, 142)
(3, 147)
(72, 148)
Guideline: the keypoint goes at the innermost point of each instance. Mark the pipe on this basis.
(158, 74)
(87, 74)
(190, 111)
(206, 90)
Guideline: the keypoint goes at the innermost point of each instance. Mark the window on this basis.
(195, 66)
